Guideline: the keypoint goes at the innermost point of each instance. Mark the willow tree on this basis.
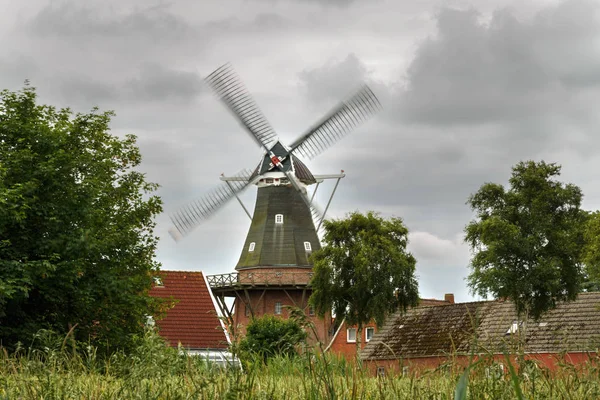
(76, 220)
(363, 272)
(527, 239)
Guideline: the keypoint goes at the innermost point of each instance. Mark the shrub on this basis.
(268, 336)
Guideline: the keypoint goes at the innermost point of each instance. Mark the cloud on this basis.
(503, 70)
(334, 80)
(156, 82)
(72, 21)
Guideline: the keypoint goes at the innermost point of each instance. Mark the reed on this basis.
(56, 368)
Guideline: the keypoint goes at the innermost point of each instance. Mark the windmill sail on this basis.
(191, 215)
(232, 92)
(337, 123)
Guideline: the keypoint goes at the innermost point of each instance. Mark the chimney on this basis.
(449, 298)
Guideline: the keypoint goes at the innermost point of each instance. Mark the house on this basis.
(427, 337)
(344, 340)
(192, 323)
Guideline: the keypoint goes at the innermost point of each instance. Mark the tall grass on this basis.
(57, 368)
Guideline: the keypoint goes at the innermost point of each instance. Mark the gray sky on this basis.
(469, 88)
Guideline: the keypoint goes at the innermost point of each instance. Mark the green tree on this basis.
(270, 336)
(363, 272)
(591, 252)
(76, 221)
(526, 241)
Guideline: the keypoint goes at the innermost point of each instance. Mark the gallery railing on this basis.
(263, 278)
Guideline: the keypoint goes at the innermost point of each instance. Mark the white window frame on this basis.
(278, 308)
(279, 218)
(307, 246)
(367, 339)
(348, 335)
(252, 246)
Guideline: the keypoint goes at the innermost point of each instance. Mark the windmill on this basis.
(274, 267)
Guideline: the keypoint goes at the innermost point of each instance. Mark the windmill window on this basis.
(307, 246)
(369, 332)
(247, 307)
(279, 219)
(311, 311)
(381, 372)
(278, 308)
(351, 335)
(158, 281)
(269, 180)
(252, 246)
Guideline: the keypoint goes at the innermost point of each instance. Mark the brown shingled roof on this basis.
(441, 330)
(193, 320)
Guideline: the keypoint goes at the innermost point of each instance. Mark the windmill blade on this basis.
(191, 215)
(339, 122)
(232, 92)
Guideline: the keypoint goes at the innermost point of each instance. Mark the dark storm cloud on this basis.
(334, 80)
(504, 69)
(73, 20)
(158, 83)
(326, 3)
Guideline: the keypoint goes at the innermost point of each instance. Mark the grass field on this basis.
(152, 371)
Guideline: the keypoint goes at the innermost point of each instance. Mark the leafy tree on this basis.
(269, 336)
(591, 252)
(363, 272)
(76, 220)
(527, 240)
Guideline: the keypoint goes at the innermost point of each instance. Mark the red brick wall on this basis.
(416, 366)
(340, 344)
(264, 303)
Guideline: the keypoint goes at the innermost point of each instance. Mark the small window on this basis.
(311, 311)
(279, 219)
(307, 246)
(405, 370)
(252, 246)
(351, 335)
(158, 281)
(369, 332)
(513, 328)
(278, 308)
(269, 180)
(381, 372)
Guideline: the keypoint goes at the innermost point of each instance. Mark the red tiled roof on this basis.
(193, 320)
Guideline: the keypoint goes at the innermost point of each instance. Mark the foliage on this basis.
(363, 272)
(62, 374)
(269, 336)
(527, 239)
(76, 220)
(591, 252)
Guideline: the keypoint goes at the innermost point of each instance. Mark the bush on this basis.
(269, 336)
